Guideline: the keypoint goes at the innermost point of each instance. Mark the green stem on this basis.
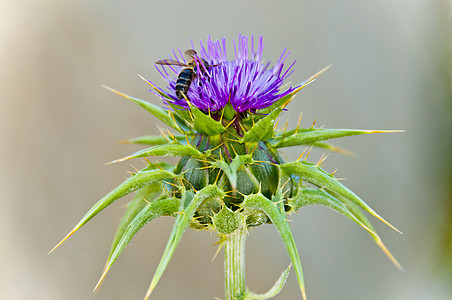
(234, 265)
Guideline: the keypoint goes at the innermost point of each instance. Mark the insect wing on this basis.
(168, 62)
(211, 66)
(190, 54)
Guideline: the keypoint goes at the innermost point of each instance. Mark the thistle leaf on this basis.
(263, 129)
(267, 110)
(152, 210)
(161, 114)
(266, 173)
(313, 174)
(308, 196)
(331, 147)
(181, 224)
(289, 96)
(347, 208)
(181, 112)
(153, 140)
(356, 211)
(317, 135)
(133, 183)
(159, 165)
(231, 169)
(139, 201)
(173, 149)
(155, 88)
(204, 123)
(275, 211)
(277, 287)
(226, 220)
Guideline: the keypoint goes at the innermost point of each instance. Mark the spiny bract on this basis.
(230, 175)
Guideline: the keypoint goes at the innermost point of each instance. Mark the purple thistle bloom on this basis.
(246, 82)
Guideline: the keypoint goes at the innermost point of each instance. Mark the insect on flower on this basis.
(189, 73)
(230, 176)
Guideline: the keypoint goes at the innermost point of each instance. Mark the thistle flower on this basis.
(230, 176)
(245, 82)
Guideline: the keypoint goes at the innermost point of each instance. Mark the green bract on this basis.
(229, 178)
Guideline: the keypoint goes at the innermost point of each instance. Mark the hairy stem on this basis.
(234, 265)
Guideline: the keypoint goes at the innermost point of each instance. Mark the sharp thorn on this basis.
(321, 160)
(101, 280)
(313, 123)
(307, 154)
(65, 238)
(301, 155)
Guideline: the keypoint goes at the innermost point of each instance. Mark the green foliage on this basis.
(263, 129)
(230, 177)
(182, 220)
(135, 182)
(275, 211)
(163, 115)
(139, 201)
(154, 140)
(313, 174)
(203, 123)
(316, 135)
(128, 229)
(172, 149)
(276, 288)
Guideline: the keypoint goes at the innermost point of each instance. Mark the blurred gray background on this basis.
(392, 70)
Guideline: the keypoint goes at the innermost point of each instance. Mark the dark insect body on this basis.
(188, 74)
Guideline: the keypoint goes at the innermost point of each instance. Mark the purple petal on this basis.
(246, 82)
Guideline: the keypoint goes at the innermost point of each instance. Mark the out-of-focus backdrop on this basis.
(392, 70)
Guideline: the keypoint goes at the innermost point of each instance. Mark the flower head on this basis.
(246, 82)
(230, 176)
